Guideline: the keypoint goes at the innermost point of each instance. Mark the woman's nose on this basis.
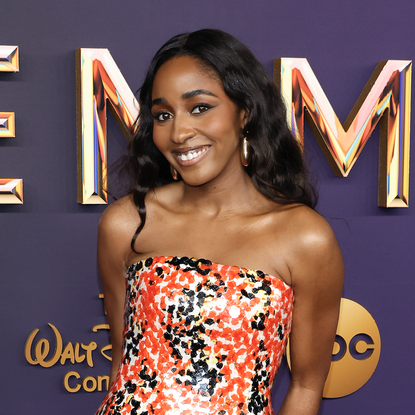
(182, 128)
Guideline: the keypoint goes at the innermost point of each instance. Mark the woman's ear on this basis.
(243, 118)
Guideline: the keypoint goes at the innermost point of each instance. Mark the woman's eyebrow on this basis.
(186, 95)
(158, 101)
(196, 92)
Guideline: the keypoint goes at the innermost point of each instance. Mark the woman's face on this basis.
(196, 126)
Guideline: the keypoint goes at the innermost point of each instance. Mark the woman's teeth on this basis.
(190, 155)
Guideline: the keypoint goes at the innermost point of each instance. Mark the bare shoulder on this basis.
(120, 220)
(313, 247)
(309, 227)
(117, 226)
(119, 216)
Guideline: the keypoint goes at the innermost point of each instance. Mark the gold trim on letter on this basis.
(385, 98)
(7, 124)
(9, 59)
(11, 191)
(99, 82)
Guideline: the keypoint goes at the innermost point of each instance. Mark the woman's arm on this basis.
(317, 272)
(114, 236)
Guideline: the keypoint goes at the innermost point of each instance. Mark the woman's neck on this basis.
(235, 193)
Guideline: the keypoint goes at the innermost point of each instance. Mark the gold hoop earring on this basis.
(245, 152)
(174, 173)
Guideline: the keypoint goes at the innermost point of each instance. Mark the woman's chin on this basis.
(194, 182)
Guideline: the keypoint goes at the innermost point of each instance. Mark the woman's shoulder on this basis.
(116, 229)
(312, 243)
(120, 219)
(303, 222)
(304, 231)
(120, 210)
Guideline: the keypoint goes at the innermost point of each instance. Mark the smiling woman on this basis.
(197, 130)
(217, 178)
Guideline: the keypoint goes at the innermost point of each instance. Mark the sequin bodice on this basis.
(199, 338)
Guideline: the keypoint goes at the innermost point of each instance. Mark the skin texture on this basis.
(216, 213)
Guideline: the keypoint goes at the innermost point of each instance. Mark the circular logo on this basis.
(356, 351)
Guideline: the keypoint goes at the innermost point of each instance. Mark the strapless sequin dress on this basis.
(199, 338)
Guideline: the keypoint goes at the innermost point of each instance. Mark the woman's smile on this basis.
(189, 156)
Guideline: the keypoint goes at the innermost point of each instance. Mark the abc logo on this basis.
(356, 351)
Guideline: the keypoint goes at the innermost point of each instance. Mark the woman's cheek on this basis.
(160, 137)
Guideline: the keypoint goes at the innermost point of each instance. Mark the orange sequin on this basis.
(199, 338)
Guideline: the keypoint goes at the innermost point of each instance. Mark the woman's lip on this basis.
(180, 151)
(187, 149)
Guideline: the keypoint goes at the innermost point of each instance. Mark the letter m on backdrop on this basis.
(386, 99)
(99, 83)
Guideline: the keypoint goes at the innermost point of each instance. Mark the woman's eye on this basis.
(199, 109)
(162, 116)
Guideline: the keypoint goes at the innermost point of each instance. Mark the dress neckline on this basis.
(215, 264)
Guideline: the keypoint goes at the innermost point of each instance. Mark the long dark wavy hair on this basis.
(277, 167)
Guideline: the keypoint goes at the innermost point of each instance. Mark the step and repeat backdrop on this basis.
(68, 74)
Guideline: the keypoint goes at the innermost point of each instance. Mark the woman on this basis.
(217, 179)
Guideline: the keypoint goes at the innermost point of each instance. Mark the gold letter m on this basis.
(385, 98)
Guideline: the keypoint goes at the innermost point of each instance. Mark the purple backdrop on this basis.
(48, 245)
